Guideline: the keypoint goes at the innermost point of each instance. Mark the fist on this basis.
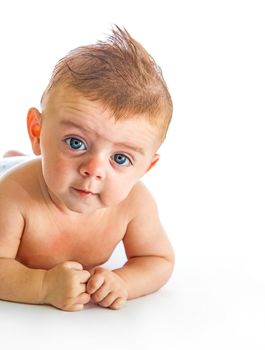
(64, 286)
(106, 288)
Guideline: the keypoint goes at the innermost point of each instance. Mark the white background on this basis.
(209, 183)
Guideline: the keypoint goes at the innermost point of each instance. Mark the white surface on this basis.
(204, 306)
(209, 183)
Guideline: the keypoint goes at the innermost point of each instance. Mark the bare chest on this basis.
(46, 242)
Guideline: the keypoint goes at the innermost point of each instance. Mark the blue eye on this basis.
(121, 159)
(75, 144)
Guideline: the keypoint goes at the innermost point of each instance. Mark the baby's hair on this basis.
(121, 75)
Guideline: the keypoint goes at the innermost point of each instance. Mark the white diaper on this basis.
(10, 162)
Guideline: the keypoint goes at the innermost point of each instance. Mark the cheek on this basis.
(117, 190)
(56, 171)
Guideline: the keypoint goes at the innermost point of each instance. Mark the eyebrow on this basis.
(87, 129)
(132, 147)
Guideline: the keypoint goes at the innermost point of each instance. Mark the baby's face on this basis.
(91, 161)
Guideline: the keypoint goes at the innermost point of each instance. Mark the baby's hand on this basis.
(64, 286)
(106, 288)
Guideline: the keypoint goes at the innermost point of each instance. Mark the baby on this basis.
(104, 114)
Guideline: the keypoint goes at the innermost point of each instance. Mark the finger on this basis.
(101, 293)
(94, 283)
(76, 307)
(83, 298)
(97, 270)
(118, 304)
(73, 265)
(83, 276)
(108, 300)
(81, 288)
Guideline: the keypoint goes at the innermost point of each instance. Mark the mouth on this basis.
(83, 193)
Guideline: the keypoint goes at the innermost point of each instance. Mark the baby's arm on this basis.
(149, 252)
(150, 257)
(64, 286)
(18, 283)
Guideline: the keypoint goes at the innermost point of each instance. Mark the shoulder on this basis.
(140, 201)
(140, 189)
(19, 184)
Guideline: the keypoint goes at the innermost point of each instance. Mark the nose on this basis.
(93, 167)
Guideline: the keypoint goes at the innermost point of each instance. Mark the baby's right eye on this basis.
(75, 143)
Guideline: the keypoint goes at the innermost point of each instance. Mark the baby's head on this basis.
(120, 75)
(104, 114)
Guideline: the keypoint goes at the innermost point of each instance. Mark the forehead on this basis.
(68, 108)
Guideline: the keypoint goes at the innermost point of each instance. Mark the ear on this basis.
(154, 161)
(34, 128)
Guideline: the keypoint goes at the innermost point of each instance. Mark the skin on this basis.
(61, 216)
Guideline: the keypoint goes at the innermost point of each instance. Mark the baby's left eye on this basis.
(75, 143)
(121, 159)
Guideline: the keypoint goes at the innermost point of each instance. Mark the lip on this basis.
(83, 193)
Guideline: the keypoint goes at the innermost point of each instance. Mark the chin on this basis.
(83, 209)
